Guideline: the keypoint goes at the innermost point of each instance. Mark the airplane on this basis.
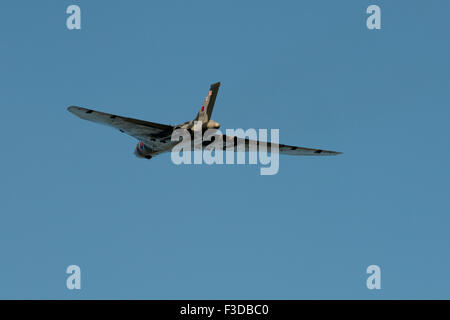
(155, 138)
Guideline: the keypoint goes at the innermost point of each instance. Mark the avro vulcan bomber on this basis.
(156, 138)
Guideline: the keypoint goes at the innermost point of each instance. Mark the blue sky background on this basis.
(72, 192)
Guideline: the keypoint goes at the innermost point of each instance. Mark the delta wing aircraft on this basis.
(155, 138)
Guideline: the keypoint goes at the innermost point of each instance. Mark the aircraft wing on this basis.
(229, 141)
(139, 129)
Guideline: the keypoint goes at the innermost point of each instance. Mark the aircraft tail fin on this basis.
(208, 104)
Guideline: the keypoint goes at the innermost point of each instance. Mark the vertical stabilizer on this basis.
(206, 109)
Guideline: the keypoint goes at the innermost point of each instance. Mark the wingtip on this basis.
(76, 110)
(327, 153)
(321, 152)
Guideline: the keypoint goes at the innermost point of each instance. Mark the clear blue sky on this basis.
(72, 192)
